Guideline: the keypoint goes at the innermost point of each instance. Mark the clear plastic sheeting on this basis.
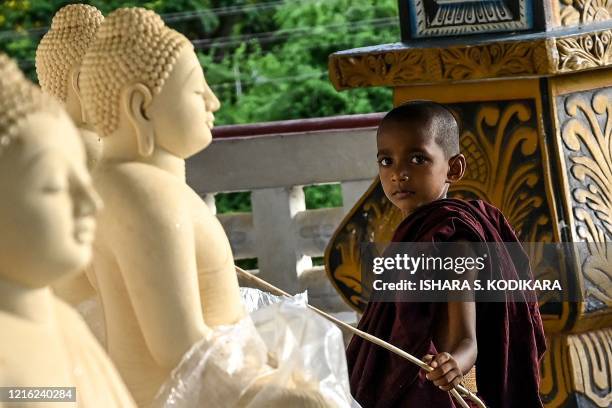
(255, 299)
(281, 355)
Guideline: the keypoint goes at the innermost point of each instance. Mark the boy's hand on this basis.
(446, 374)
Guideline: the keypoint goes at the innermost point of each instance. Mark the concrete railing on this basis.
(274, 161)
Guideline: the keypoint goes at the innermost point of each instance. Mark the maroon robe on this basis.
(509, 335)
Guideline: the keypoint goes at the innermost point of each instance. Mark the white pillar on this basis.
(209, 199)
(276, 242)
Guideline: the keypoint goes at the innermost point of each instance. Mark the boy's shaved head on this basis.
(438, 120)
(418, 154)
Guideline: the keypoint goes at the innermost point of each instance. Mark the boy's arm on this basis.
(458, 347)
(455, 337)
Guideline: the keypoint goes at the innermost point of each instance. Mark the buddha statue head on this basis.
(61, 51)
(48, 205)
(144, 88)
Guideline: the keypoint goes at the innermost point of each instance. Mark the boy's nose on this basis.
(401, 176)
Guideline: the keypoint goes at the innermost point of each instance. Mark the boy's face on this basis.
(412, 167)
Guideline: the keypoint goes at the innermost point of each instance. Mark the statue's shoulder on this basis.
(142, 186)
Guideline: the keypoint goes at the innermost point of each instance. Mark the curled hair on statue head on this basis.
(63, 47)
(133, 46)
(19, 98)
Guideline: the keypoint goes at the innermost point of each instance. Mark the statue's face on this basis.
(182, 113)
(48, 205)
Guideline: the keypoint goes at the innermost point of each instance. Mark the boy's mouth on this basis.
(401, 194)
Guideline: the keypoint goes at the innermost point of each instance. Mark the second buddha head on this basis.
(60, 54)
(144, 79)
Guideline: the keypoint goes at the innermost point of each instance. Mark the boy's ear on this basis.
(456, 168)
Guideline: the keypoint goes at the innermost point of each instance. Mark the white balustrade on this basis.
(280, 232)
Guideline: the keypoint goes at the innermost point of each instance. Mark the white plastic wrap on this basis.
(281, 355)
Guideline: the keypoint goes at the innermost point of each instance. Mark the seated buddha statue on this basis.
(47, 227)
(58, 64)
(163, 264)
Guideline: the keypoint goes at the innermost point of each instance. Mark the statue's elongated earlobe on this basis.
(135, 99)
(73, 82)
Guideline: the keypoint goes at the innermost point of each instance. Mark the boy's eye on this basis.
(418, 159)
(384, 161)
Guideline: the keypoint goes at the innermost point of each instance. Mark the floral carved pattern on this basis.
(502, 59)
(578, 364)
(504, 167)
(583, 52)
(586, 132)
(399, 65)
(396, 67)
(576, 12)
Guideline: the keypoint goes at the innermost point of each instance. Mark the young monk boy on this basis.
(419, 157)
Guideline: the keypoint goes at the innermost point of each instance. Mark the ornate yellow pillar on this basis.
(535, 107)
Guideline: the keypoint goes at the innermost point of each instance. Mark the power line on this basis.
(179, 16)
(272, 36)
(268, 80)
(226, 11)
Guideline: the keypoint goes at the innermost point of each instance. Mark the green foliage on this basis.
(285, 77)
(233, 202)
(326, 195)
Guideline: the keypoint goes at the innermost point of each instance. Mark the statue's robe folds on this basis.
(59, 352)
(510, 335)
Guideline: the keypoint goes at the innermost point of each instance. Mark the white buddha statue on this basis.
(46, 229)
(58, 65)
(163, 264)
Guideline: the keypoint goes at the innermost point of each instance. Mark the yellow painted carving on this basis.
(372, 70)
(402, 66)
(492, 176)
(383, 218)
(349, 272)
(594, 348)
(492, 60)
(555, 382)
(578, 364)
(592, 167)
(586, 51)
(585, 11)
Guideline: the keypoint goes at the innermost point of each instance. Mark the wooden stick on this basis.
(367, 336)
